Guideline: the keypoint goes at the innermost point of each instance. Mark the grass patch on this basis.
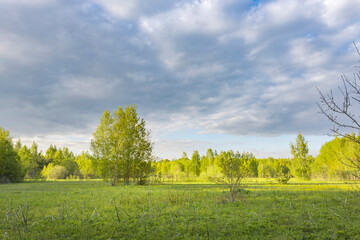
(95, 210)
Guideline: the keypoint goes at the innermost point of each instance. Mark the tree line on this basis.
(18, 161)
(333, 162)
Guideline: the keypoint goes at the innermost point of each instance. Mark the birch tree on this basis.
(121, 145)
(302, 160)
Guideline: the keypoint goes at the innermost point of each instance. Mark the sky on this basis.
(220, 74)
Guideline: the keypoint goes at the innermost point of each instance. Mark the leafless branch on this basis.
(343, 113)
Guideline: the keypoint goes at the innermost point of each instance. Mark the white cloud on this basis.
(345, 35)
(197, 17)
(170, 55)
(302, 53)
(86, 87)
(123, 9)
(206, 16)
(280, 13)
(338, 13)
(202, 70)
(83, 87)
(20, 49)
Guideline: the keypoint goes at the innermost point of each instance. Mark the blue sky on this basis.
(221, 74)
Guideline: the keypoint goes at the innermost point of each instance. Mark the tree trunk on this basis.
(111, 181)
(115, 174)
(127, 180)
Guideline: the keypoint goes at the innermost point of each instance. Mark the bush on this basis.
(284, 174)
(57, 172)
(52, 171)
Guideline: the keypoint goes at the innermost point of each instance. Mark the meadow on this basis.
(92, 209)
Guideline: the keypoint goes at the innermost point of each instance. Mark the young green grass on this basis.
(95, 210)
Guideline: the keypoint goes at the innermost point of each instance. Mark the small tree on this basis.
(302, 160)
(233, 170)
(283, 174)
(195, 164)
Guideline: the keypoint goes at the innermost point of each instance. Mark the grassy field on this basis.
(95, 210)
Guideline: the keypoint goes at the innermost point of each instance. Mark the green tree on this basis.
(120, 144)
(185, 161)
(10, 167)
(265, 170)
(102, 145)
(64, 157)
(37, 163)
(18, 145)
(327, 165)
(283, 171)
(204, 164)
(61, 155)
(25, 159)
(71, 168)
(248, 163)
(210, 156)
(302, 160)
(50, 153)
(337, 157)
(86, 165)
(195, 164)
(233, 171)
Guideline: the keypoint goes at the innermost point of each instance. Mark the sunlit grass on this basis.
(95, 210)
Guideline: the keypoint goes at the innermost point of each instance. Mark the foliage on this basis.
(195, 164)
(26, 161)
(71, 167)
(86, 166)
(336, 157)
(233, 169)
(32, 160)
(334, 162)
(10, 167)
(283, 174)
(302, 161)
(54, 172)
(57, 172)
(267, 168)
(50, 153)
(121, 144)
(46, 170)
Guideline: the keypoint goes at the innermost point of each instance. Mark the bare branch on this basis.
(343, 113)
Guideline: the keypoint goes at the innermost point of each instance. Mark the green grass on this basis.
(95, 210)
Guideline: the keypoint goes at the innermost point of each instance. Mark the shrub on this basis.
(57, 172)
(284, 174)
(52, 171)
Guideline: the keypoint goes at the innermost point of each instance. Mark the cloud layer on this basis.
(246, 68)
